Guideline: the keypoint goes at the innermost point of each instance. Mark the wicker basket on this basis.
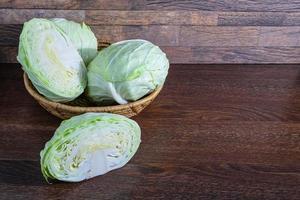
(81, 105)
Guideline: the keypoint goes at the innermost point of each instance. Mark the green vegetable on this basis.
(89, 145)
(51, 61)
(81, 36)
(126, 71)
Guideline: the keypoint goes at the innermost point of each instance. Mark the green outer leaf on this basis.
(82, 37)
(126, 71)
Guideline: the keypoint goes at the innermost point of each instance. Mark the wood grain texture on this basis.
(19, 16)
(278, 36)
(9, 34)
(153, 17)
(218, 36)
(8, 54)
(239, 36)
(258, 19)
(183, 36)
(113, 17)
(223, 31)
(237, 54)
(67, 4)
(213, 5)
(160, 35)
(218, 132)
(211, 55)
(194, 18)
(218, 5)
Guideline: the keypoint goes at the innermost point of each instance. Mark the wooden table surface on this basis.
(214, 132)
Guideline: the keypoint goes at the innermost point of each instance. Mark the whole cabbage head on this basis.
(51, 61)
(126, 71)
(89, 145)
(81, 36)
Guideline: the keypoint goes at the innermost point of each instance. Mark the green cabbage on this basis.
(82, 37)
(89, 145)
(51, 61)
(126, 71)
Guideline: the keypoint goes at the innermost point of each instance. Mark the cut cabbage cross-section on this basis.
(51, 61)
(89, 145)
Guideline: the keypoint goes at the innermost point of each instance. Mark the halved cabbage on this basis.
(82, 37)
(51, 61)
(89, 145)
(126, 71)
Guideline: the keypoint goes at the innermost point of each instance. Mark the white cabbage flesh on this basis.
(89, 145)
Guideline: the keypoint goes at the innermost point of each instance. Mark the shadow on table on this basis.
(292, 108)
(20, 172)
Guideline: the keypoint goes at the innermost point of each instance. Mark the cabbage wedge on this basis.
(51, 61)
(89, 145)
(82, 37)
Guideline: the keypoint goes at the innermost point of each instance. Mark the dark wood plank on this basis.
(238, 88)
(239, 36)
(214, 5)
(183, 35)
(19, 16)
(9, 34)
(8, 54)
(215, 131)
(218, 5)
(211, 55)
(66, 4)
(218, 36)
(242, 55)
(152, 17)
(179, 17)
(114, 17)
(209, 181)
(258, 19)
(160, 35)
(278, 36)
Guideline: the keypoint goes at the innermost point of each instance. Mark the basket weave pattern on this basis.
(65, 111)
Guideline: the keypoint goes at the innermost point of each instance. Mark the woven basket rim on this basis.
(29, 87)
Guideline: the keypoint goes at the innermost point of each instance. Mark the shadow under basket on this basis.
(82, 105)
